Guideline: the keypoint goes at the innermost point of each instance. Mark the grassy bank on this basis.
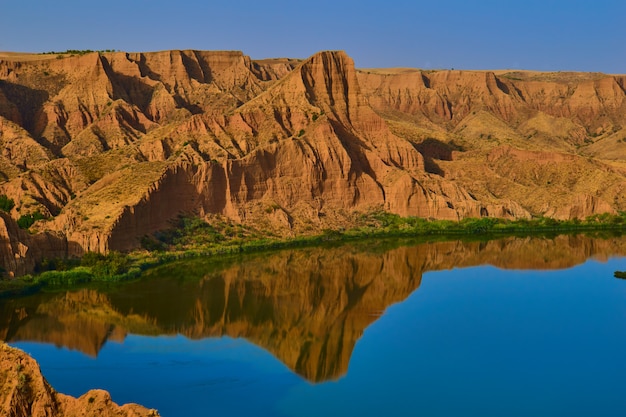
(193, 237)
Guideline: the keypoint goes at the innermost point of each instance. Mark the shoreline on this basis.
(117, 267)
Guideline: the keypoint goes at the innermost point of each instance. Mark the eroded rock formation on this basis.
(19, 250)
(24, 392)
(112, 146)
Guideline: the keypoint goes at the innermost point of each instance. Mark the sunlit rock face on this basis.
(114, 146)
(307, 307)
(24, 392)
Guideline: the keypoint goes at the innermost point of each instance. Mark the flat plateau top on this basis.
(24, 56)
(515, 74)
(527, 75)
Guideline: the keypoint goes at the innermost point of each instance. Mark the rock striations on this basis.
(112, 146)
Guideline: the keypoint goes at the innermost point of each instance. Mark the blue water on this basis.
(173, 374)
(478, 341)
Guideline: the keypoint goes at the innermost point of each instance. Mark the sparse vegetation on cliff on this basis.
(78, 52)
(27, 220)
(6, 203)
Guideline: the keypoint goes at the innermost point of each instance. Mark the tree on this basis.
(27, 220)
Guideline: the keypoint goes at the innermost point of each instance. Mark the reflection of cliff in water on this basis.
(308, 307)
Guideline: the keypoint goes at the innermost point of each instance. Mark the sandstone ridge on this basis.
(112, 146)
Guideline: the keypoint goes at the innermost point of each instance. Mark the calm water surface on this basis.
(513, 327)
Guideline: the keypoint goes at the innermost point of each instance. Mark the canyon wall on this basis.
(113, 146)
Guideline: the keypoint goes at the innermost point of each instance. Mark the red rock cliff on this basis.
(25, 393)
(115, 145)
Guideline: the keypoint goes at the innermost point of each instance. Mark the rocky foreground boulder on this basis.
(24, 392)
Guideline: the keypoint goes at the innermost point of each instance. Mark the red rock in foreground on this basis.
(24, 392)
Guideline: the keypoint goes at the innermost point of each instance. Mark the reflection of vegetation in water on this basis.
(620, 274)
(307, 306)
(308, 316)
(193, 237)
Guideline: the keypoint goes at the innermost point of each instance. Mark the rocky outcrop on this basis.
(20, 251)
(13, 251)
(309, 145)
(24, 392)
(594, 102)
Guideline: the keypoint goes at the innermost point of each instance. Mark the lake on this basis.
(508, 327)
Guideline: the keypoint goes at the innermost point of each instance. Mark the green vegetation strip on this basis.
(193, 237)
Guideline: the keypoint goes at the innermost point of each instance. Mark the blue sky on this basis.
(550, 35)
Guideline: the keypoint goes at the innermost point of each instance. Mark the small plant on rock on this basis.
(6, 203)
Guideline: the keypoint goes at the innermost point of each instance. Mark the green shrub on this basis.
(151, 244)
(109, 265)
(22, 382)
(6, 203)
(480, 225)
(76, 276)
(56, 264)
(91, 258)
(27, 220)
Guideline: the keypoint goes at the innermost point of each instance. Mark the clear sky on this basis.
(551, 35)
